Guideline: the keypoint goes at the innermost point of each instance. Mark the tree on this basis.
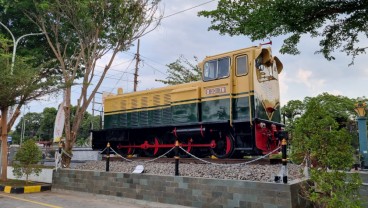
(31, 123)
(33, 51)
(341, 24)
(79, 33)
(88, 122)
(46, 130)
(340, 108)
(24, 84)
(292, 109)
(41, 126)
(26, 159)
(182, 71)
(320, 137)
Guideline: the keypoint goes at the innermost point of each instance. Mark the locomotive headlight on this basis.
(262, 125)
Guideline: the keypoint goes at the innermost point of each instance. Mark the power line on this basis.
(112, 76)
(155, 68)
(153, 60)
(170, 15)
(114, 65)
(122, 75)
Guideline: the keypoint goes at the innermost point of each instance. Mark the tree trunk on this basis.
(4, 143)
(66, 156)
(66, 160)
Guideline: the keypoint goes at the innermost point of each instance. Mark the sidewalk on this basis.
(71, 199)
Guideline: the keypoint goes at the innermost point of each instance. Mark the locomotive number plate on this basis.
(215, 90)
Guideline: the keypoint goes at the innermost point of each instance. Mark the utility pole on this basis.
(136, 68)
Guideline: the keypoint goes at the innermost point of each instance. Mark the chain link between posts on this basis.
(193, 156)
(244, 163)
(126, 159)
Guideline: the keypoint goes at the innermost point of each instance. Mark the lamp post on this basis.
(360, 108)
(16, 41)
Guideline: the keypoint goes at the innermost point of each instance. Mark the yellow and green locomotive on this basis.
(234, 109)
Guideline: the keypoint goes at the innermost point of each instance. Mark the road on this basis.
(72, 199)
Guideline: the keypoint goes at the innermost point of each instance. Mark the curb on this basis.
(25, 189)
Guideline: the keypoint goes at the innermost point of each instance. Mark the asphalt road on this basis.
(72, 199)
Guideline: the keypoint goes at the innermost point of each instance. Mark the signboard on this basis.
(216, 90)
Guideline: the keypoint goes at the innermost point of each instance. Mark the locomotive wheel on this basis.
(188, 149)
(152, 152)
(125, 151)
(224, 146)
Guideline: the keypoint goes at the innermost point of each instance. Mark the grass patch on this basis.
(14, 182)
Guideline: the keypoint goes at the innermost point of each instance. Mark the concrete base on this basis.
(178, 190)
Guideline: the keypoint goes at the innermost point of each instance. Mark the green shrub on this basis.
(26, 160)
(319, 137)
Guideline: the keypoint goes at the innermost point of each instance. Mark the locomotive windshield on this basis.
(267, 70)
(216, 69)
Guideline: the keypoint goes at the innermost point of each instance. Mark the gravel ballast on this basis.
(252, 172)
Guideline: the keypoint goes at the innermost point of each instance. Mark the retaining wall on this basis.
(364, 188)
(187, 191)
(44, 176)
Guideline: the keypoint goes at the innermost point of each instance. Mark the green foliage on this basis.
(41, 126)
(84, 133)
(23, 85)
(46, 129)
(31, 123)
(340, 23)
(334, 189)
(321, 136)
(79, 33)
(291, 110)
(182, 71)
(26, 160)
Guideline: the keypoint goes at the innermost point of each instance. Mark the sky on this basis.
(186, 34)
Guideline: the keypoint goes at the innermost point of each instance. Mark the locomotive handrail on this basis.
(245, 163)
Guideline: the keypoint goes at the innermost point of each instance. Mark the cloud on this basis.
(307, 74)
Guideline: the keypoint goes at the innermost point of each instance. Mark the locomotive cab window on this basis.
(216, 69)
(241, 65)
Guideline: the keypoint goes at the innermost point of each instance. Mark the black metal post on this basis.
(176, 158)
(284, 160)
(108, 157)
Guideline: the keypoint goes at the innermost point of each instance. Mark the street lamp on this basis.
(360, 109)
(16, 41)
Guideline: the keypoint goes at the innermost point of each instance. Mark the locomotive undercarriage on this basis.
(220, 140)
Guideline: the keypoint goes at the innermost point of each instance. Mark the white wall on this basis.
(44, 176)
